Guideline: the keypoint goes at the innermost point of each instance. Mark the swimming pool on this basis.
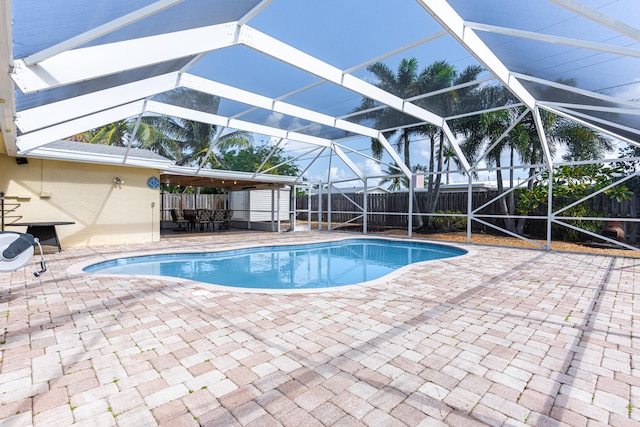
(303, 266)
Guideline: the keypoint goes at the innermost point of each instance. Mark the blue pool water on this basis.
(317, 265)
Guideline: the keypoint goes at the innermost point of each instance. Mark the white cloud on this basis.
(630, 92)
(371, 168)
(274, 119)
(336, 174)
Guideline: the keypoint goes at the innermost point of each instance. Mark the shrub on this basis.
(449, 223)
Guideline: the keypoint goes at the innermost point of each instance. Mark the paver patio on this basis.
(502, 336)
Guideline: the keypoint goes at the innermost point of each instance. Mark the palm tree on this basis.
(483, 130)
(185, 141)
(407, 83)
(441, 75)
(188, 142)
(395, 180)
(116, 134)
(488, 129)
(582, 143)
(403, 84)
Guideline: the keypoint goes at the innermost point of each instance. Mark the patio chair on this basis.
(203, 218)
(191, 216)
(218, 219)
(178, 218)
(228, 214)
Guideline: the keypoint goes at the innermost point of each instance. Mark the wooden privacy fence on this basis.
(390, 209)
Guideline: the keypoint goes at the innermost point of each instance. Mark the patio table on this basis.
(44, 231)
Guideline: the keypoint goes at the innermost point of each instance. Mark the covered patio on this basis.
(501, 336)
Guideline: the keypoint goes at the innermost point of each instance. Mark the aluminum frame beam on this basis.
(99, 60)
(271, 104)
(33, 140)
(269, 46)
(214, 119)
(599, 18)
(576, 90)
(547, 38)
(442, 12)
(71, 108)
(100, 31)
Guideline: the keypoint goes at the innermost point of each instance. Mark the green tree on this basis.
(395, 178)
(189, 142)
(630, 166)
(249, 159)
(483, 130)
(582, 143)
(116, 134)
(441, 75)
(403, 84)
(408, 83)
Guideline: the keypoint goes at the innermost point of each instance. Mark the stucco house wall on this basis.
(104, 213)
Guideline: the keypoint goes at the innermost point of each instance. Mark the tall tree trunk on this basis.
(430, 183)
(523, 221)
(433, 201)
(417, 219)
(512, 199)
(448, 168)
(407, 155)
(509, 223)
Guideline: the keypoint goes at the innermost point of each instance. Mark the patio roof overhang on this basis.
(170, 173)
(230, 180)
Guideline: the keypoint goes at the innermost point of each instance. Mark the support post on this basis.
(329, 208)
(550, 209)
(249, 210)
(278, 210)
(319, 206)
(293, 202)
(469, 206)
(410, 219)
(365, 205)
(309, 206)
(273, 208)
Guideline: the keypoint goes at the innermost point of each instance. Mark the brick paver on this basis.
(501, 336)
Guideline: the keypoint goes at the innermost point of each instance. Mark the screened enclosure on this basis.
(538, 97)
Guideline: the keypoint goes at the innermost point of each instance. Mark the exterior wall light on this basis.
(118, 181)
